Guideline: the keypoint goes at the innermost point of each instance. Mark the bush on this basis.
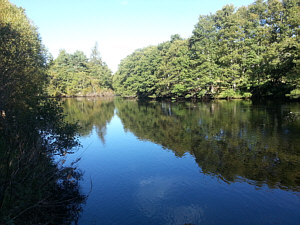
(230, 93)
(295, 94)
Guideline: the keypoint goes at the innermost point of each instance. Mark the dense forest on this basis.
(247, 52)
(76, 75)
(34, 188)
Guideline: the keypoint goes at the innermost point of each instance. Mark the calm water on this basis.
(223, 162)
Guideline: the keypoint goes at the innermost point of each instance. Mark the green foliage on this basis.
(247, 95)
(76, 75)
(294, 93)
(174, 70)
(229, 93)
(153, 71)
(246, 52)
(137, 74)
(34, 189)
(22, 58)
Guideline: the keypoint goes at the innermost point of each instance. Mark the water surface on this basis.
(221, 162)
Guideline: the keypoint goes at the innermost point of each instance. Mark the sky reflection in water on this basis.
(204, 163)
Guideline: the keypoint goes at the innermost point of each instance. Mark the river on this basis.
(218, 162)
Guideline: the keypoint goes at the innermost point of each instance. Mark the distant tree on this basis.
(203, 55)
(175, 37)
(75, 74)
(174, 70)
(137, 74)
(233, 53)
(99, 69)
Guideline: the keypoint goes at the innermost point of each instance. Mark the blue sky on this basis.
(119, 26)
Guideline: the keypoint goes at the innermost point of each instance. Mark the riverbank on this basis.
(105, 93)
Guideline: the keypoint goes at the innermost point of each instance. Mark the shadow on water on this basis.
(35, 186)
(232, 140)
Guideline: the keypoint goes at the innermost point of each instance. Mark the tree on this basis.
(32, 130)
(76, 75)
(99, 69)
(22, 59)
(233, 53)
(174, 70)
(203, 46)
(136, 76)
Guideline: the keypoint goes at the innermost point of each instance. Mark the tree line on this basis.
(247, 52)
(76, 75)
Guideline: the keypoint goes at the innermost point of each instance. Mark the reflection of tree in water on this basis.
(42, 193)
(232, 140)
(35, 188)
(89, 113)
